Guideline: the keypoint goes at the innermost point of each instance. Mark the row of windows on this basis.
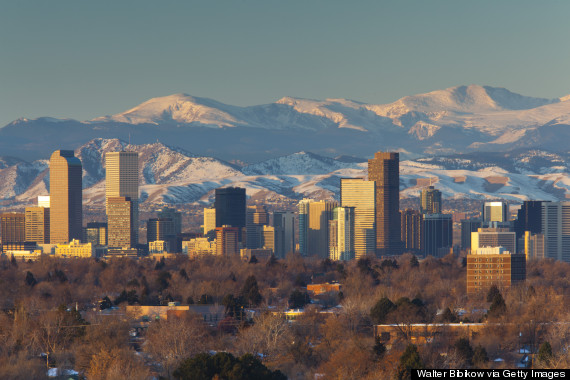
(487, 271)
(487, 278)
(488, 266)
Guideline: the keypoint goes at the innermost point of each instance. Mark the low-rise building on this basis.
(316, 289)
(74, 249)
(158, 246)
(423, 333)
(199, 246)
(24, 255)
(261, 254)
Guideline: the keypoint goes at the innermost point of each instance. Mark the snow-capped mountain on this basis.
(455, 120)
(171, 175)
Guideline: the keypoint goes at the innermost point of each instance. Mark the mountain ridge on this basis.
(454, 120)
(170, 176)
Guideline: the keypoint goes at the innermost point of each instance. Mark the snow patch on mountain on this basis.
(297, 163)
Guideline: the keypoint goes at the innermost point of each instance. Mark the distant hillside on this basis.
(172, 175)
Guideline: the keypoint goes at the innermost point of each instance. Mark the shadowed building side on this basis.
(384, 169)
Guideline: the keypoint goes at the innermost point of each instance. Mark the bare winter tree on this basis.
(175, 339)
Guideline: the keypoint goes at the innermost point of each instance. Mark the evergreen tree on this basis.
(381, 309)
(464, 350)
(493, 291)
(379, 348)
(480, 355)
(250, 291)
(498, 306)
(30, 279)
(414, 263)
(298, 299)
(448, 316)
(409, 360)
(544, 353)
(224, 365)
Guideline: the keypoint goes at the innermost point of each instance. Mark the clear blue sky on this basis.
(83, 59)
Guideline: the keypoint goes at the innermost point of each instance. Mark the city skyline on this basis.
(325, 189)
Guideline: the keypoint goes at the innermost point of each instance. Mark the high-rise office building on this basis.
(268, 238)
(304, 226)
(384, 169)
(37, 225)
(284, 223)
(95, 233)
(227, 241)
(342, 239)
(175, 216)
(256, 218)
(495, 212)
(493, 237)
(122, 180)
(556, 230)
(438, 234)
(120, 214)
(361, 195)
(529, 218)
(412, 230)
(230, 208)
(66, 198)
(13, 227)
(430, 201)
(161, 230)
(320, 213)
(333, 239)
(209, 220)
(467, 227)
(534, 246)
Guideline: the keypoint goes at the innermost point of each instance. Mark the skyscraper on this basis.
(227, 241)
(256, 218)
(284, 223)
(122, 180)
(384, 169)
(230, 208)
(361, 194)
(37, 225)
(13, 227)
(556, 230)
(343, 218)
(412, 230)
(95, 233)
(467, 227)
(66, 198)
(438, 234)
(120, 222)
(430, 201)
(495, 212)
(175, 216)
(529, 218)
(209, 220)
(304, 226)
(161, 229)
(268, 238)
(320, 213)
